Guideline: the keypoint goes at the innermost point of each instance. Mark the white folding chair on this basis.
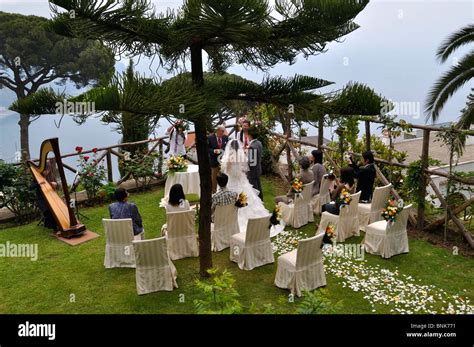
(302, 268)
(300, 211)
(323, 197)
(154, 271)
(346, 224)
(370, 213)
(252, 248)
(388, 239)
(118, 243)
(226, 224)
(181, 235)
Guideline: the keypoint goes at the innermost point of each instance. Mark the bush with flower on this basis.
(142, 167)
(92, 172)
(391, 210)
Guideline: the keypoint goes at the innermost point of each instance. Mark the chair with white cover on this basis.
(252, 248)
(346, 224)
(181, 234)
(388, 239)
(118, 243)
(154, 271)
(226, 224)
(370, 213)
(300, 211)
(302, 268)
(323, 197)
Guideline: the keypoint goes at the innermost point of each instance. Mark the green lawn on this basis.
(63, 272)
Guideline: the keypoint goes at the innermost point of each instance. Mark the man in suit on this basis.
(216, 143)
(254, 154)
(365, 175)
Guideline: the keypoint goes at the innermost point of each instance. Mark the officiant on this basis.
(216, 144)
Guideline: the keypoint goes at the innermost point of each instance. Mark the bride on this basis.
(235, 165)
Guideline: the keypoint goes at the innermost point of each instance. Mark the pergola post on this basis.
(424, 178)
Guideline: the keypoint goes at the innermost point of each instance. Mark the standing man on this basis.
(365, 175)
(254, 154)
(216, 143)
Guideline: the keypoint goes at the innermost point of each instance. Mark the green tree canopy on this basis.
(31, 57)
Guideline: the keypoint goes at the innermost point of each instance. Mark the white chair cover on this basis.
(181, 235)
(118, 243)
(302, 268)
(252, 248)
(347, 223)
(300, 211)
(226, 224)
(323, 197)
(388, 239)
(370, 213)
(155, 271)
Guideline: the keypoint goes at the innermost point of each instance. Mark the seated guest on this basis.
(177, 200)
(305, 175)
(365, 175)
(123, 209)
(346, 182)
(223, 196)
(318, 170)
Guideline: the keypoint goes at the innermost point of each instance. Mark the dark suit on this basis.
(255, 165)
(212, 144)
(365, 180)
(214, 157)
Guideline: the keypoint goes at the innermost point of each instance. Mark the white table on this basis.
(189, 180)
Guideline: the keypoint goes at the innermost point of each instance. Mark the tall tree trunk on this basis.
(24, 136)
(205, 254)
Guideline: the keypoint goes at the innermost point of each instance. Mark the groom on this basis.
(255, 161)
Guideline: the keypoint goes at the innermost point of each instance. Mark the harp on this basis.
(61, 209)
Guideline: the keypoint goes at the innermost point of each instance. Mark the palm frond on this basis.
(43, 101)
(458, 39)
(447, 85)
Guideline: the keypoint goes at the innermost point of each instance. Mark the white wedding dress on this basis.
(235, 165)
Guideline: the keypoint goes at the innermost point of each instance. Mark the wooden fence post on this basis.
(160, 158)
(320, 133)
(110, 176)
(367, 135)
(424, 178)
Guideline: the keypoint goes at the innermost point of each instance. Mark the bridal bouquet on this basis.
(177, 164)
(276, 216)
(344, 198)
(180, 125)
(241, 200)
(297, 186)
(391, 210)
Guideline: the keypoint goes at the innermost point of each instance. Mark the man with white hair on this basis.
(216, 143)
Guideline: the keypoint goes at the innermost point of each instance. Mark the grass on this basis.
(68, 279)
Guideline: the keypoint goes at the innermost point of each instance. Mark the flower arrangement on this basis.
(344, 198)
(297, 186)
(177, 164)
(391, 210)
(241, 200)
(330, 234)
(276, 216)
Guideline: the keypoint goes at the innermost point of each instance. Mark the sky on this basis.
(392, 52)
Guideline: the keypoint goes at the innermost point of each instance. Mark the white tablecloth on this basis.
(189, 180)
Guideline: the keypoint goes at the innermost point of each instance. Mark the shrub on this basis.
(16, 193)
(92, 173)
